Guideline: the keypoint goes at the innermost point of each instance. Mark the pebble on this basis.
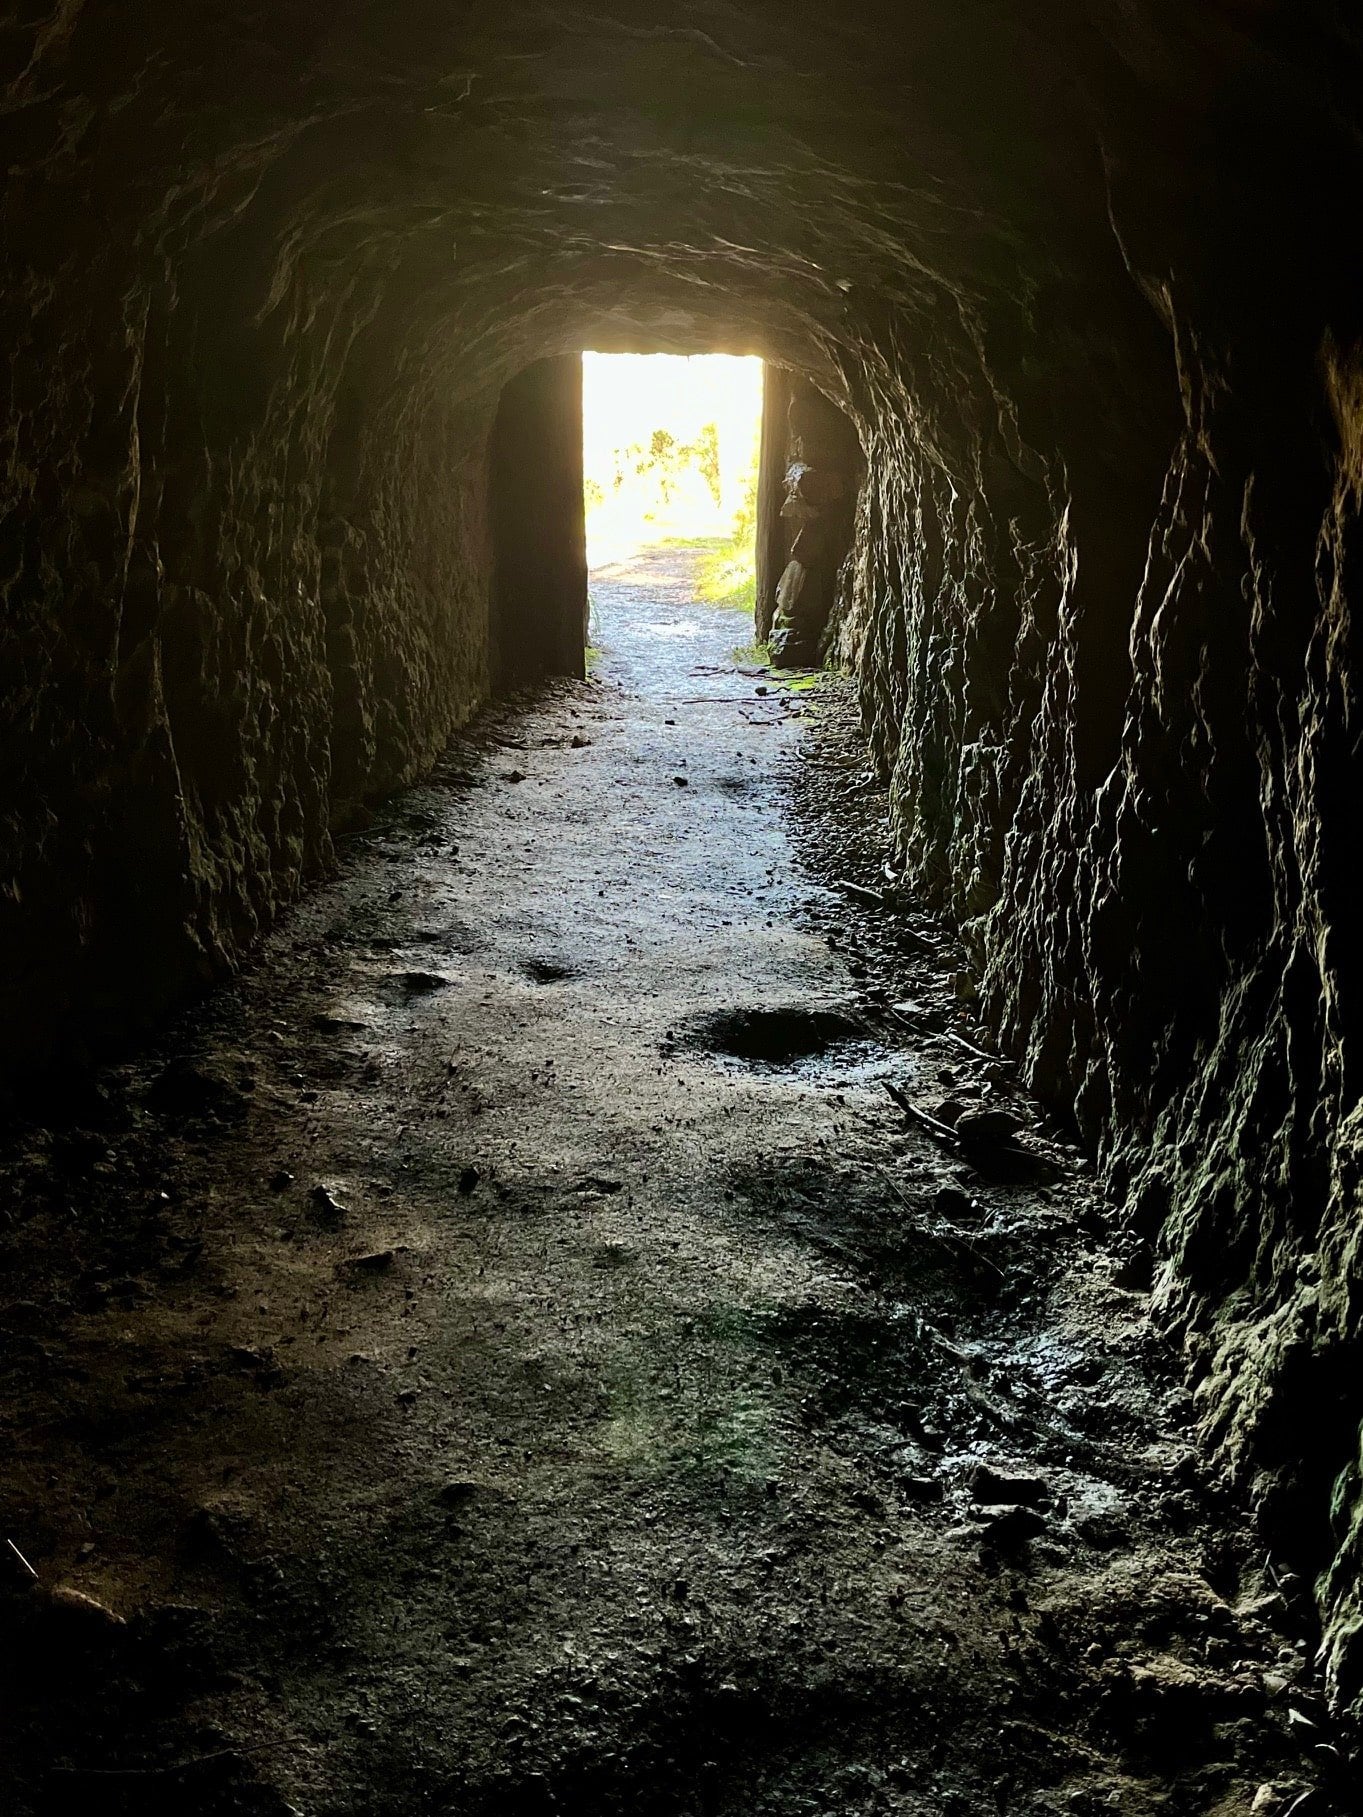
(326, 1204)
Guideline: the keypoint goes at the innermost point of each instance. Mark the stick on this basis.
(157, 1772)
(22, 1560)
(970, 1047)
(861, 893)
(947, 1034)
(943, 1131)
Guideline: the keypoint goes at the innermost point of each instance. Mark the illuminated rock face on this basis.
(1080, 277)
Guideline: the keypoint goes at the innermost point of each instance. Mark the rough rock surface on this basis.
(1077, 269)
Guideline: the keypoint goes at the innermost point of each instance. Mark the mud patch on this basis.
(776, 1034)
(406, 985)
(547, 971)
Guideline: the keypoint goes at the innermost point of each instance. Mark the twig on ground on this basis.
(943, 1131)
(946, 1034)
(157, 1772)
(860, 893)
(22, 1560)
(980, 1053)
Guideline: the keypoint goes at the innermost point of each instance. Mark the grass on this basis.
(728, 570)
(728, 576)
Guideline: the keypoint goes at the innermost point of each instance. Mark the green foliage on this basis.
(728, 570)
(749, 655)
(666, 459)
(728, 576)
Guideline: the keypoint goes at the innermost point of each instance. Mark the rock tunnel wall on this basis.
(244, 570)
(1108, 669)
(1077, 270)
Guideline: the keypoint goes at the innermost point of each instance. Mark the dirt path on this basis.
(511, 1354)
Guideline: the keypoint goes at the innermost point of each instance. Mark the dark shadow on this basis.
(539, 603)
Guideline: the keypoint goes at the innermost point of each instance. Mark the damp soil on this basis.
(585, 1325)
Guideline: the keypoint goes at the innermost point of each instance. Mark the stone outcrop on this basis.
(805, 548)
(1079, 273)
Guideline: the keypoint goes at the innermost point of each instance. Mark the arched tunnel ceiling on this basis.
(754, 174)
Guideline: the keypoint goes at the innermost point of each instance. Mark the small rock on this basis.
(985, 1128)
(578, 742)
(954, 1202)
(996, 1488)
(682, 782)
(599, 1186)
(922, 1488)
(282, 1179)
(468, 1179)
(1102, 1531)
(1136, 1273)
(1010, 1523)
(907, 1006)
(327, 1205)
(78, 1606)
(513, 776)
(1270, 1798)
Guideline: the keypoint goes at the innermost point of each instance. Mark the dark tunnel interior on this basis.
(292, 492)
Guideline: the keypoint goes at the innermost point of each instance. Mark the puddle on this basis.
(779, 1034)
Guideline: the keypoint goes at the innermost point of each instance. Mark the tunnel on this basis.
(294, 300)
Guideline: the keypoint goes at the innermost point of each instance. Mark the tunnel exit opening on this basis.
(671, 450)
(737, 477)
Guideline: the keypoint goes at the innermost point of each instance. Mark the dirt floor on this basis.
(522, 1348)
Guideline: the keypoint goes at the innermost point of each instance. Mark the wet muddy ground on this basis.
(584, 1326)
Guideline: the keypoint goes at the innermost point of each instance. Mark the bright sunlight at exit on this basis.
(670, 450)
